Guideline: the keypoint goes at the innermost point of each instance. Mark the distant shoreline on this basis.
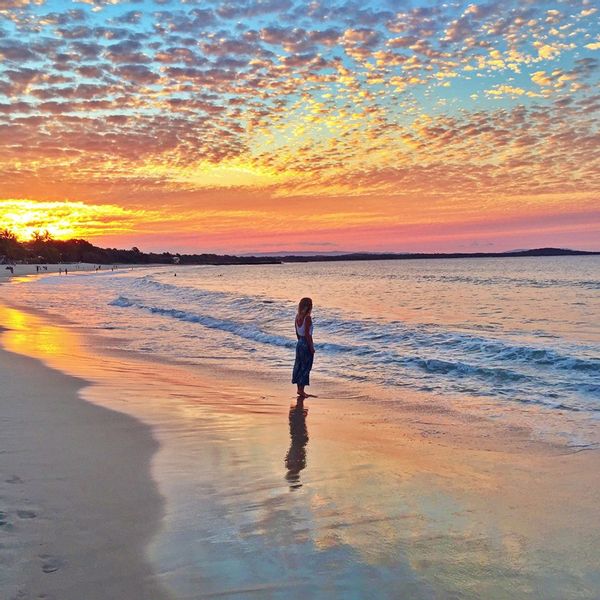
(80, 251)
(356, 256)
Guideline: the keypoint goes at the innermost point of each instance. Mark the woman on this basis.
(305, 349)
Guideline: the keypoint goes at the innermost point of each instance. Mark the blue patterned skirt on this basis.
(303, 364)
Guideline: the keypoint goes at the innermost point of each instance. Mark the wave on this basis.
(249, 332)
(498, 359)
(384, 333)
(541, 357)
(510, 281)
(445, 367)
(369, 337)
(380, 352)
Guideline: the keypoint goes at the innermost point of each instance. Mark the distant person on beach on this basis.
(305, 349)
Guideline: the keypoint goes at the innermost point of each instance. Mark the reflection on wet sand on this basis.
(295, 459)
(420, 511)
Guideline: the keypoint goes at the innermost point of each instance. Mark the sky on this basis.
(278, 125)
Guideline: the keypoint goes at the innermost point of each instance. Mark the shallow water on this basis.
(264, 500)
(511, 332)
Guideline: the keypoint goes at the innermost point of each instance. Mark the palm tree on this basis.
(8, 235)
(39, 237)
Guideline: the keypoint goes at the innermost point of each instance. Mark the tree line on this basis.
(43, 248)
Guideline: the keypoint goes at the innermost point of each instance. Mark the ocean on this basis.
(517, 336)
(451, 451)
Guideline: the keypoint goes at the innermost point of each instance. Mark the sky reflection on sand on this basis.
(382, 511)
(29, 334)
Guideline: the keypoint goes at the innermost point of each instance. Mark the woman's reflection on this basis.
(295, 459)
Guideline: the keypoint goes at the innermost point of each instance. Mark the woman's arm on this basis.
(309, 340)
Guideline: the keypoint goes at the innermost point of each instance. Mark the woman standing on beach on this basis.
(305, 349)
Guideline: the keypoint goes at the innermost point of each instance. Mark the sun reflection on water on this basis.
(30, 335)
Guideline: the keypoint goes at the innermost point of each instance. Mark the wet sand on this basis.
(77, 502)
(332, 499)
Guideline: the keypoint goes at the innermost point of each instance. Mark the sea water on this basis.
(509, 331)
(357, 512)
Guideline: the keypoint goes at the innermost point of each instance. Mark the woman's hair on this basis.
(304, 306)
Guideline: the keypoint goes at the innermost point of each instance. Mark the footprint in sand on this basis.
(50, 564)
(5, 524)
(26, 514)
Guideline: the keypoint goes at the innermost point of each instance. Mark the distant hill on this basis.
(429, 255)
(299, 253)
(42, 248)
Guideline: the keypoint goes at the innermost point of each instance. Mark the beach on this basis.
(78, 502)
(24, 270)
(203, 480)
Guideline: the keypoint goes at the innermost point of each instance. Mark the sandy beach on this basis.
(78, 502)
(266, 499)
(21, 270)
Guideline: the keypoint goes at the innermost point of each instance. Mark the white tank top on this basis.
(300, 328)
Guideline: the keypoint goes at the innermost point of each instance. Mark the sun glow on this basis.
(65, 220)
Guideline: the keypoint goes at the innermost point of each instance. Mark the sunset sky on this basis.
(268, 125)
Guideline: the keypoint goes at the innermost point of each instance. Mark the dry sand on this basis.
(77, 501)
(44, 269)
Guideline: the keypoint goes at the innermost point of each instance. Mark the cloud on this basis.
(16, 52)
(548, 51)
(137, 74)
(353, 100)
(8, 4)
